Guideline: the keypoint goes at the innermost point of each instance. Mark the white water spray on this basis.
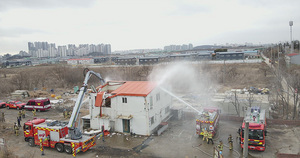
(180, 99)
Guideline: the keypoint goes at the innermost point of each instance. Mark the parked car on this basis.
(15, 105)
(40, 104)
(2, 104)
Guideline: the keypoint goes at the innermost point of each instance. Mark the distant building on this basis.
(126, 61)
(16, 63)
(62, 51)
(101, 60)
(293, 58)
(229, 55)
(23, 53)
(203, 56)
(107, 49)
(251, 54)
(148, 60)
(82, 61)
(180, 57)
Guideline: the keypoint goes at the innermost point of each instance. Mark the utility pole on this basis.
(291, 25)
(246, 137)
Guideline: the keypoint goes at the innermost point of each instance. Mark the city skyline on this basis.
(45, 49)
(145, 24)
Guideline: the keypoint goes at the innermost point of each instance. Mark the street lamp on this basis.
(291, 24)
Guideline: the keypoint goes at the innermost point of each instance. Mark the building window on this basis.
(124, 100)
(167, 109)
(152, 120)
(151, 102)
(157, 96)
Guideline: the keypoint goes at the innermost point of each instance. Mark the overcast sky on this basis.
(142, 24)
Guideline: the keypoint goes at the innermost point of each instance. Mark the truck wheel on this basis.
(68, 149)
(18, 108)
(39, 110)
(59, 147)
(31, 142)
(8, 107)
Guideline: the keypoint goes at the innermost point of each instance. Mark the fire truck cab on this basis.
(57, 133)
(208, 120)
(257, 129)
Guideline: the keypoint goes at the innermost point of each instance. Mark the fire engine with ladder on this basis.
(208, 120)
(257, 129)
(63, 136)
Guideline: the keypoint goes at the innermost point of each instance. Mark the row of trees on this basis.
(63, 76)
(286, 81)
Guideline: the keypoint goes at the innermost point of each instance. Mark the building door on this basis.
(126, 125)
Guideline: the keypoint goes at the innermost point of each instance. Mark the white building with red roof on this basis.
(292, 58)
(81, 61)
(129, 107)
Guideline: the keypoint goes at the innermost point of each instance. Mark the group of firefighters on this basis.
(17, 125)
(67, 114)
(21, 114)
(207, 136)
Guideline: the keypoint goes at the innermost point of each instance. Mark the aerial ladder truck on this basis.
(62, 136)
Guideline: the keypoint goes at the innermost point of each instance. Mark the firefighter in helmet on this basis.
(220, 146)
(16, 128)
(65, 113)
(23, 113)
(33, 112)
(230, 141)
(209, 137)
(205, 134)
(20, 115)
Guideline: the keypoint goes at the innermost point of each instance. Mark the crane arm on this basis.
(75, 132)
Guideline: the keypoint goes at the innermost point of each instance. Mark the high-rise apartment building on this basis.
(62, 51)
(107, 49)
(43, 49)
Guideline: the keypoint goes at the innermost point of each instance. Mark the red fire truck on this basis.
(57, 131)
(62, 135)
(257, 129)
(208, 120)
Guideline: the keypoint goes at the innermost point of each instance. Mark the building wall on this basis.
(158, 111)
(75, 62)
(139, 107)
(295, 59)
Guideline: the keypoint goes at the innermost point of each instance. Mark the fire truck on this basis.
(63, 136)
(257, 129)
(208, 120)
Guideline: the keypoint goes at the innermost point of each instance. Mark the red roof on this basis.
(81, 59)
(292, 54)
(135, 88)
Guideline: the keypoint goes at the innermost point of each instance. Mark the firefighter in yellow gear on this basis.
(205, 134)
(69, 114)
(230, 141)
(23, 113)
(20, 115)
(209, 137)
(65, 113)
(33, 112)
(16, 128)
(220, 146)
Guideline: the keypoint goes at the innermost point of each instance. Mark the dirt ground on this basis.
(179, 140)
